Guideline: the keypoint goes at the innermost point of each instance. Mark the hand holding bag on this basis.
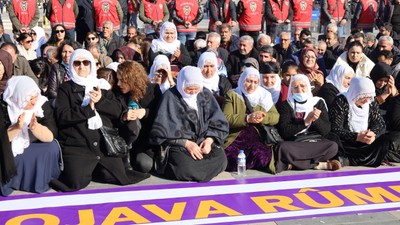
(115, 145)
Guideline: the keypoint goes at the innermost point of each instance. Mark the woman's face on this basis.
(208, 70)
(269, 80)
(169, 35)
(30, 104)
(123, 86)
(192, 89)
(120, 57)
(92, 39)
(60, 33)
(381, 83)
(82, 66)
(310, 59)
(2, 70)
(27, 43)
(362, 101)
(66, 53)
(346, 80)
(299, 86)
(355, 54)
(251, 84)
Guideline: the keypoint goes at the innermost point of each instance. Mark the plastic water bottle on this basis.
(241, 170)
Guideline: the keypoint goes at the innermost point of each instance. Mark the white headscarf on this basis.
(88, 82)
(274, 90)
(19, 90)
(189, 75)
(209, 83)
(308, 106)
(40, 40)
(337, 75)
(260, 96)
(160, 45)
(160, 62)
(360, 87)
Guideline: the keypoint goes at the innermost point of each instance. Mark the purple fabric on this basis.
(258, 155)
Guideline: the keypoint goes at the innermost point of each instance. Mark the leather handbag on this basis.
(115, 145)
(270, 134)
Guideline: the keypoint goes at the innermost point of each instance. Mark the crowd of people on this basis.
(187, 102)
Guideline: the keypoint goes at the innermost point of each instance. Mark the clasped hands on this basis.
(197, 151)
(367, 137)
(256, 117)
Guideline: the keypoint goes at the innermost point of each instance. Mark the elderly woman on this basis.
(25, 46)
(337, 82)
(356, 59)
(304, 124)
(271, 80)
(160, 73)
(83, 105)
(191, 128)
(244, 122)
(139, 99)
(217, 84)
(168, 44)
(309, 67)
(34, 158)
(356, 120)
(6, 69)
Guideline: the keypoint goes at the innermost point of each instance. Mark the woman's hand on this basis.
(256, 117)
(20, 123)
(205, 146)
(367, 137)
(95, 96)
(312, 116)
(134, 114)
(392, 86)
(33, 124)
(176, 55)
(194, 150)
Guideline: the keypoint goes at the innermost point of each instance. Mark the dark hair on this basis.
(269, 67)
(355, 43)
(385, 53)
(75, 45)
(288, 65)
(201, 35)
(9, 44)
(267, 49)
(388, 26)
(359, 35)
(109, 75)
(23, 36)
(41, 69)
(305, 32)
(53, 37)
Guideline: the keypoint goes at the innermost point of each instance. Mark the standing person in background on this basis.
(186, 14)
(133, 8)
(365, 15)
(24, 15)
(107, 10)
(63, 12)
(392, 15)
(250, 14)
(124, 20)
(221, 11)
(84, 21)
(279, 14)
(152, 13)
(336, 12)
(302, 12)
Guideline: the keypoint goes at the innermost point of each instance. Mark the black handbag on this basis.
(308, 137)
(270, 134)
(115, 145)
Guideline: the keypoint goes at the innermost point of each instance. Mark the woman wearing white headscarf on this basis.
(303, 114)
(356, 120)
(169, 45)
(218, 85)
(337, 82)
(244, 130)
(193, 128)
(160, 73)
(39, 39)
(83, 105)
(34, 157)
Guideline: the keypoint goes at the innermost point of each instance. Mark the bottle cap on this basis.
(241, 151)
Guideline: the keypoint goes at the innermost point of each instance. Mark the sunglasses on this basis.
(60, 31)
(160, 71)
(91, 38)
(28, 42)
(84, 62)
(32, 33)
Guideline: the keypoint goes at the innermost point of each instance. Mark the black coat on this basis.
(82, 147)
(184, 59)
(56, 78)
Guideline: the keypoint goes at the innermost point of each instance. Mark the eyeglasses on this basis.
(310, 57)
(33, 33)
(28, 42)
(60, 31)
(91, 38)
(84, 62)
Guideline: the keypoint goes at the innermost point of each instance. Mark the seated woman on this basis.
(244, 129)
(338, 81)
(356, 120)
(271, 80)
(83, 105)
(192, 128)
(34, 157)
(139, 99)
(25, 46)
(217, 84)
(309, 67)
(168, 44)
(160, 73)
(300, 114)
(125, 53)
(6, 69)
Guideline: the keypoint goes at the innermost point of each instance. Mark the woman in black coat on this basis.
(83, 105)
